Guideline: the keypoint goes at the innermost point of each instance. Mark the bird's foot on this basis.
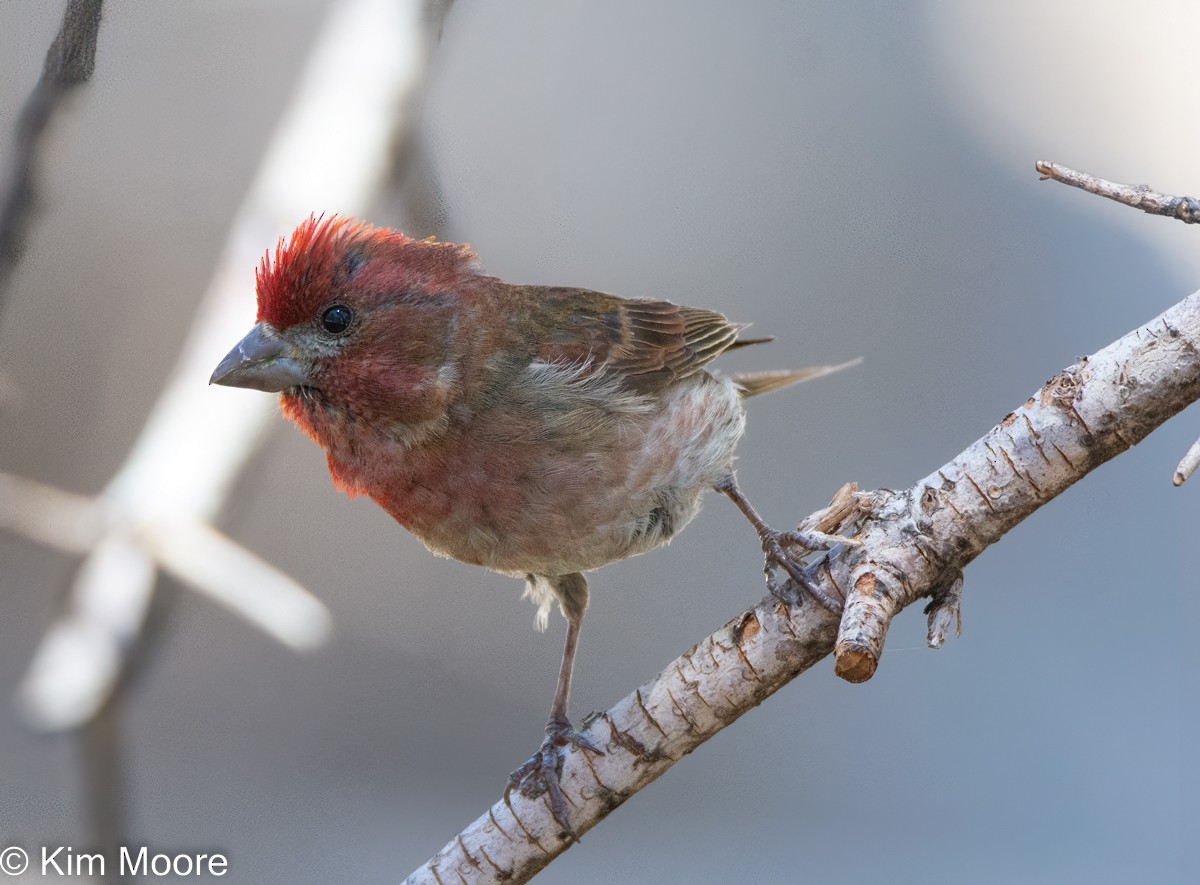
(775, 544)
(539, 774)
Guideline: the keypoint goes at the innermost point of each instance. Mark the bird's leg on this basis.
(774, 542)
(540, 773)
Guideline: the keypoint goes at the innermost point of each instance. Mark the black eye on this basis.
(337, 319)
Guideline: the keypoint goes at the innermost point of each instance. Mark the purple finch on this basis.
(537, 431)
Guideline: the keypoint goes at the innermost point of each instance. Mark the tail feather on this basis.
(754, 383)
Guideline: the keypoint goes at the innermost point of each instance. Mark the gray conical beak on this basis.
(262, 361)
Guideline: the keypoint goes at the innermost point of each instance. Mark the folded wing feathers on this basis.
(663, 342)
(651, 344)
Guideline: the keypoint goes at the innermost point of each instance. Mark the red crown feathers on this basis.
(324, 256)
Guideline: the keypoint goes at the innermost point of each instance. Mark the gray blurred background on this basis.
(856, 179)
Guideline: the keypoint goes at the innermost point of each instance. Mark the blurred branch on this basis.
(915, 543)
(100, 744)
(157, 510)
(69, 63)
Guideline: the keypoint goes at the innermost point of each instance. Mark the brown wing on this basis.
(648, 344)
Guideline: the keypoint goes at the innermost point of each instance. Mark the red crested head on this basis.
(362, 330)
(328, 259)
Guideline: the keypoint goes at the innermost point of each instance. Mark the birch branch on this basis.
(1139, 196)
(915, 543)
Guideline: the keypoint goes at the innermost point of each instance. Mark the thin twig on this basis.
(69, 63)
(1139, 196)
(1188, 465)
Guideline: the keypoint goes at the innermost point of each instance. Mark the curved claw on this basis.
(524, 770)
(540, 772)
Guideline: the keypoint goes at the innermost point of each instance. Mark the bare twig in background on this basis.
(101, 749)
(1187, 466)
(914, 544)
(69, 63)
(412, 193)
(1139, 196)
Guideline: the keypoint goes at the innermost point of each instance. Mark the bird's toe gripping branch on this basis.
(540, 773)
(882, 557)
(828, 528)
(823, 530)
(777, 557)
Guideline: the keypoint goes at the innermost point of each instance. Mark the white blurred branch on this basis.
(330, 153)
(915, 543)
